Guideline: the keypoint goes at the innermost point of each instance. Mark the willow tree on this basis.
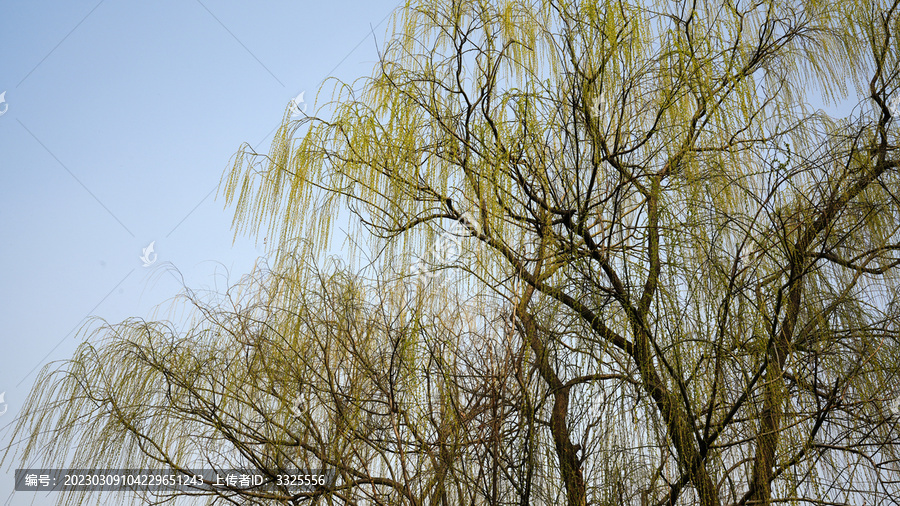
(687, 274)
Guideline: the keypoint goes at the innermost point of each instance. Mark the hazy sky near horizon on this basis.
(118, 122)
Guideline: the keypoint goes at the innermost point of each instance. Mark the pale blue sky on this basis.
(120, 118)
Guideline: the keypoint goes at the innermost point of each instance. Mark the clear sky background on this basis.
(118, 122)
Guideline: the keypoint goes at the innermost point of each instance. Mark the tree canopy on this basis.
(673, 276)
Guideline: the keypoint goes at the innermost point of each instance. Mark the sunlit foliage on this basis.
(677, 281)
